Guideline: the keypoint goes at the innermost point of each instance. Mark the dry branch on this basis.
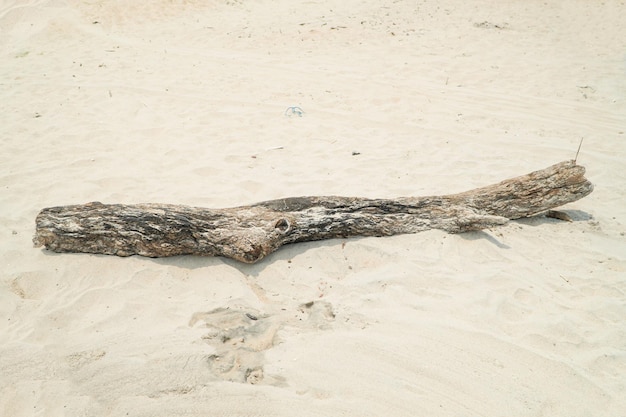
(249, 233)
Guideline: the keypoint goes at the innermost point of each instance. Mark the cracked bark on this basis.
(249, 233)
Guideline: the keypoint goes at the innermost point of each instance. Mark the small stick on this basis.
(579, 145)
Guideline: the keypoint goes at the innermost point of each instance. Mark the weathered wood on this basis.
(250, 233)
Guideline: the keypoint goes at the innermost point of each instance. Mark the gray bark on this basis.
(249, 233)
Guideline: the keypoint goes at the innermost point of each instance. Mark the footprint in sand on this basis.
(241, 335)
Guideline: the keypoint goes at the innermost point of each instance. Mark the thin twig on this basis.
(579, 145)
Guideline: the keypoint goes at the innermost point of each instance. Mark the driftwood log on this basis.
(250, 233)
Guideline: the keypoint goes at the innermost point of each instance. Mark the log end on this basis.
(38, 241)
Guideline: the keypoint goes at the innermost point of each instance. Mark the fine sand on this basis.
(185, 102)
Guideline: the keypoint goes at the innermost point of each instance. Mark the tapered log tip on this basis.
(566, 174)
(578, 176)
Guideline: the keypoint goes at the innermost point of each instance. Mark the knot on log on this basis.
(282, 226)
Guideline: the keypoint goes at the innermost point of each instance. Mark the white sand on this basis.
(183, 102)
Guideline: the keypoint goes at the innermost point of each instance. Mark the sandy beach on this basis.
(192, 102)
